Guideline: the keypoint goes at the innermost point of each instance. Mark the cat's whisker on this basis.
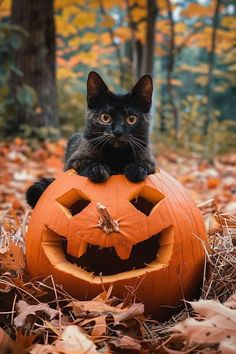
(142, 141)
(138, 147)
(101, 144)
(102, 141)
(132, 148)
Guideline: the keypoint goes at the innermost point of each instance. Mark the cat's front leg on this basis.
(95, 171)
(98, 172)
(138, 171)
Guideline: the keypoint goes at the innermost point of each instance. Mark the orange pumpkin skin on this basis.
(176, 273)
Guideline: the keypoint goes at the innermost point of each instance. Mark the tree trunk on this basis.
(36, 59)
(136, 45)
(115, 45)
(170, 68)
(152, 12)
(211, 60)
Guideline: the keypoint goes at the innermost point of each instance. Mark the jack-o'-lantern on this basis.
(90, 235)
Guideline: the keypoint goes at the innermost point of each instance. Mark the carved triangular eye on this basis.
(143, 205)
(145, 199)
(74, 201)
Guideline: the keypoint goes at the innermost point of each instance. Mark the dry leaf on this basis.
(126, 342)
(212, 225)
(231, 302)
(216, 312)
(98, 308)
(100, 326)
(71, 341)
(6, 343)
(13, 258)
(218, 326)
(25, 309)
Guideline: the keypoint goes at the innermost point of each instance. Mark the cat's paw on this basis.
(35, 191)
(98, 173)
(135, 173)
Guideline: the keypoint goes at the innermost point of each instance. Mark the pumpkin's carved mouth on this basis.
(149, 255)
(105, 261)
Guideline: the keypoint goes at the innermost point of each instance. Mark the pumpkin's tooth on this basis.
(123, 251)
(82, 248)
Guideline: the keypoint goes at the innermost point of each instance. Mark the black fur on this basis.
(35, 191)
(114, 148)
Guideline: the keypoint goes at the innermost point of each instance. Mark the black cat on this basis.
(115, 140)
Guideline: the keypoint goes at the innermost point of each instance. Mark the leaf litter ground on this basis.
(38, 316)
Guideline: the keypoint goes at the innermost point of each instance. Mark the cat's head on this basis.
(118, 119)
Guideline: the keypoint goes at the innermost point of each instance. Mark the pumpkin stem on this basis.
(106, 222)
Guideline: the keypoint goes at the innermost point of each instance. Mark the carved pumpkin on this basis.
(145, 235)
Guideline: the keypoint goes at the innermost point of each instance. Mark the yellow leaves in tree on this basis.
(141, 3)
(5, 8)
(201, 80)
(229, 21)
(105, 38)
(85, 19)
(229, 57)
(162, 6)
(141, 31)
(63, 27)
(107, 22)
(200, 69)
(163, 26)
(88, 58)
(61, 4)
(88, 38)
(138, 14)
(160, 51)
(221, 88)
(196, 10)
(179, 38)
(75, 42)
(124, 33)
(70, 11)
(180, 27)
(73, 18)
(176, 82)
(108, 4)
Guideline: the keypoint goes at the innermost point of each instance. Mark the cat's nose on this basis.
(118, 131)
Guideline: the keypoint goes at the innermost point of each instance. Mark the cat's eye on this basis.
(131, 119)
(105, 118)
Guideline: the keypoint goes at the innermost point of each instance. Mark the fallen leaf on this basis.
(6, 343)
(25, 309)
(12, 258)
(216, 324)
(126, 342)
(100, 326)
(231, 302)
(71, 341)
(213, 182)
(98, 308)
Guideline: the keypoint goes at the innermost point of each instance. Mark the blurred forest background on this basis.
(48, 47)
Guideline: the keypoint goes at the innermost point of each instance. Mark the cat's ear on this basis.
(96, 88)
(142, 92)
